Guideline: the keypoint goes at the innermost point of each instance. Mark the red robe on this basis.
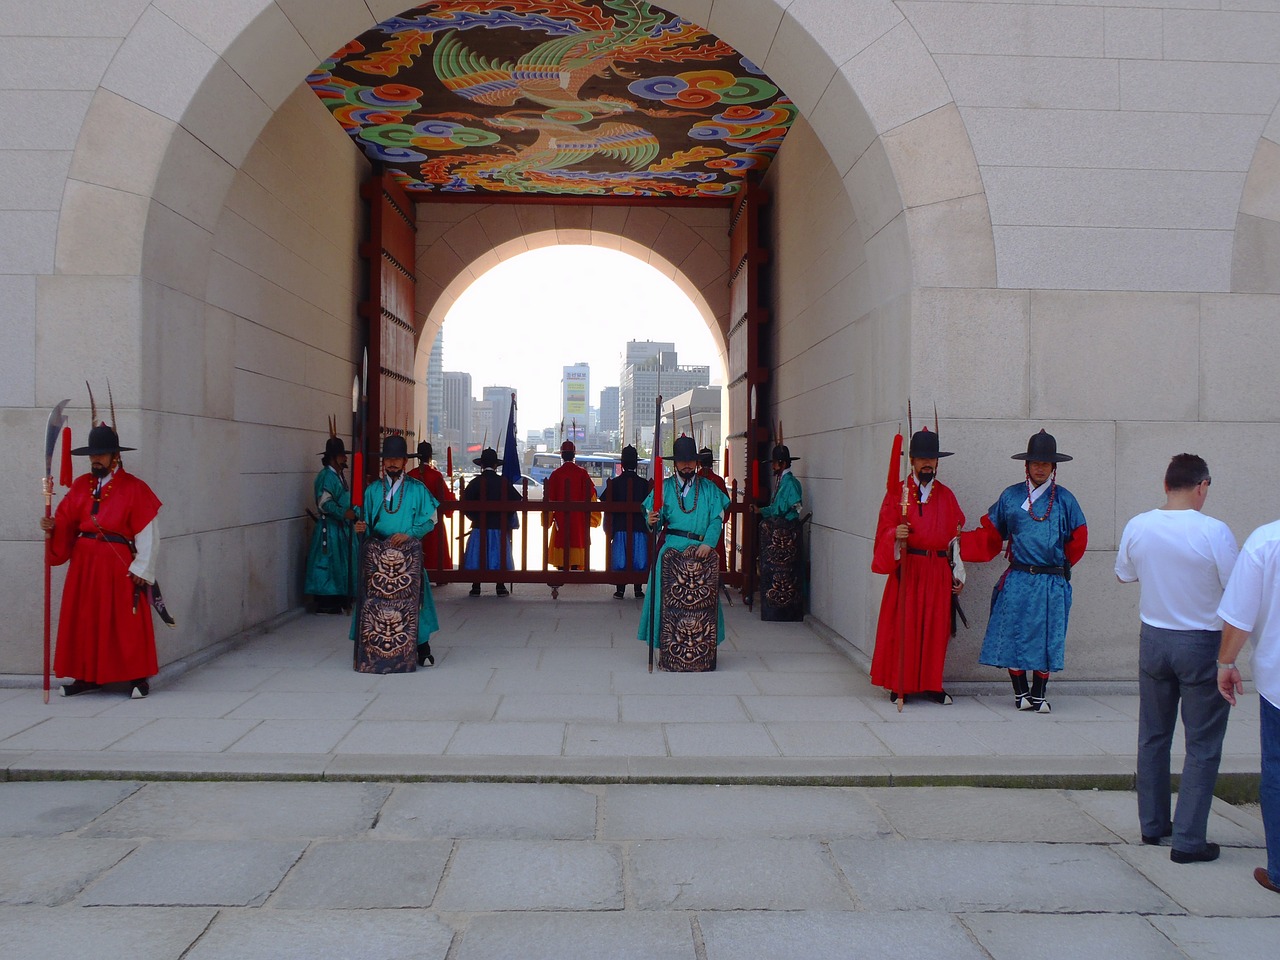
(571, 483)
(924, 616)
(104, 635)
(435, 545)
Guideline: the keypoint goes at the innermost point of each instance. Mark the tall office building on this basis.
(500, 398)
(575, 414)
(457, 409)
(609, 411)
(648, 373)
(434, 426)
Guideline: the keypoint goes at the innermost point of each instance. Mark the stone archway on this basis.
(165, 167)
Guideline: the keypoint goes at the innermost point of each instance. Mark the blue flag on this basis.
(510, 455)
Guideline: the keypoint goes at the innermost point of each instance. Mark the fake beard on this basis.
(686, 475)
(99, 471)
(394, 475)
(925, 477)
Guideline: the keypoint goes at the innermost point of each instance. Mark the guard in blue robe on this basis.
(1031, 603)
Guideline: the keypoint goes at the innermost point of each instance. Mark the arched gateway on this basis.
(1029, 214)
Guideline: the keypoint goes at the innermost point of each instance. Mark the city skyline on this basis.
(584, 304)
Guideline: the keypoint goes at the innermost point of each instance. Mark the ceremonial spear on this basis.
(57, 420)
(905, 472)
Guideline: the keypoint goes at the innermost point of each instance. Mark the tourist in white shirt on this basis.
(1251, 605)
(1183, 560)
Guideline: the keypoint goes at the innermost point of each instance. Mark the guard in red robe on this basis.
(106, 527)
(915, 613)
(435, 545)
(570, 530)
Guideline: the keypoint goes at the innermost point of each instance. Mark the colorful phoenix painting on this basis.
(591, 98)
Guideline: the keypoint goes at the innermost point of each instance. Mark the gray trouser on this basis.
(1173, 665)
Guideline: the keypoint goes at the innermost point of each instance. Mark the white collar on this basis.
(1036, 494)
(391, 490)
(924, 491)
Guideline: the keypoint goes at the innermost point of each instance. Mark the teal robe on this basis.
(786, 499)
(331, 560)
(416, 516)
(706, 517)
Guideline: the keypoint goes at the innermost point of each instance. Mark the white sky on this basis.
(530, 316)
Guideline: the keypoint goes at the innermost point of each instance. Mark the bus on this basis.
(601, 466)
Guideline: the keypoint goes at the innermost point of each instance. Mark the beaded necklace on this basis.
(680, 497)
(392, 505)
(1031, 506)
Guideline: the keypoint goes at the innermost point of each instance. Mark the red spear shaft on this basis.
(57, 420)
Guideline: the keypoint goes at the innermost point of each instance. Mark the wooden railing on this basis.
(530, 540)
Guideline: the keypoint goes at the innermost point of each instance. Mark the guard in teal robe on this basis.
(785, 504)
(400, 504)
(692, 514)
(331, 559)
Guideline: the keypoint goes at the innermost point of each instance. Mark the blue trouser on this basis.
(1173, 666)
(1269, 789)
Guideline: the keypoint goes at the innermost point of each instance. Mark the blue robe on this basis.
(1029, 611)
(706, 518)
(331, 559)
(415, 515)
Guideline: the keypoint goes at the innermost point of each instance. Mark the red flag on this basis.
(357, 481)
(658, 482)
(448, 455)
(66, 475)
(895, 463)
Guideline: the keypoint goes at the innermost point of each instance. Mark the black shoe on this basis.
(620, 593)
(639, 594)
(1155, 841)
(1020, 690)
(502, 590)
(1205, 854)
(893, 697)
(940, 696)
(139, 689)
(77, 687)
(474, 591)
(424, 655)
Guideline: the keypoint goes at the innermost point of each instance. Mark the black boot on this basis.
(1035, 699)
(424, 655)
(1020, 690)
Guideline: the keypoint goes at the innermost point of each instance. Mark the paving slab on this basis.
(835, 936)
(85, 733)
(135, 933)
(185, 735)
(1011, 936)
(817, 738)
(435, 706)
(364, 874)
(195, 873)
(1221, 938)
(1224, 887)
(719, 740)
(50, 872)
(487, 875)
(239, 811)
(576, 936)
(962, 877)
(293, 736)
(495, 811)
(53, 808)
(316, 934)
(966, 813)
(657, 708)
(546, 706)
(734, 875)
(615, 740)
(1117, 810)
(529, 739)
(662, 811)
(390, 737)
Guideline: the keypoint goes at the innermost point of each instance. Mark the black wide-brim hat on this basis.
(394, 447)
(424, 451)
(630, 457)
(924, 446)
(334, 447)
(782, 452)
(487, 458)
(1042, 448)
(102, 439)
(684, 450)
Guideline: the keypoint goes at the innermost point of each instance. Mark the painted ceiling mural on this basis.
(561, 97)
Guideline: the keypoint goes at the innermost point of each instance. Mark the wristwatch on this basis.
(1226, 666)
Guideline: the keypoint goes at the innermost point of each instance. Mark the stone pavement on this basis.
(539, 794)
